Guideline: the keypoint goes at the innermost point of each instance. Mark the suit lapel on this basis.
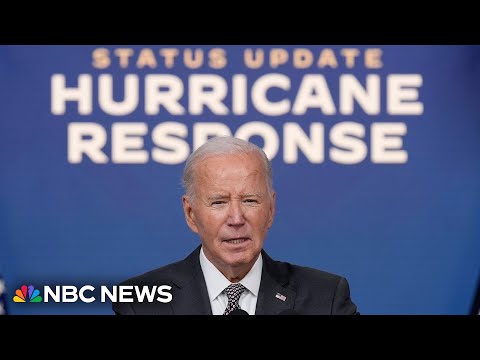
(191, 299)
(191, 295)
(273, 296)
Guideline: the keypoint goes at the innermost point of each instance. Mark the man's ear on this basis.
(189, 214)
(272, 211)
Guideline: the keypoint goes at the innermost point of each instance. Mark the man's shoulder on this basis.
(179, 272)
(164, 274)
(299, 275)
(312, 274)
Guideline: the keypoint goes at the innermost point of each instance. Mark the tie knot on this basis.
(233, 291)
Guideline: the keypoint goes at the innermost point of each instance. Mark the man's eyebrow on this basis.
(223, 196)
(217, 197)
(252, 195)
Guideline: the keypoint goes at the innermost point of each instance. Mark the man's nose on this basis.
(236, 214)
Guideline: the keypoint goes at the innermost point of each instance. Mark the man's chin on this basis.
(240, 258)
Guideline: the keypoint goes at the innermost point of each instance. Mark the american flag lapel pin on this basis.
(281, 297)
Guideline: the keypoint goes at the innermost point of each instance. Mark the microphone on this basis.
(238, 312)
(288, 312)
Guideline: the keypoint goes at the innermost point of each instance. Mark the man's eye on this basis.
(218, 202)
(251, 201)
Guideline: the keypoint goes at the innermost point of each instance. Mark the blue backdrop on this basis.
(405, 233)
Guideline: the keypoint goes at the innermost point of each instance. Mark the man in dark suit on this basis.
(230, 203)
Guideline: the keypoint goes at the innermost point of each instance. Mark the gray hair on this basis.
(217, 146)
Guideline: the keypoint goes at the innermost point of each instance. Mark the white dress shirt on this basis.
(217, 282)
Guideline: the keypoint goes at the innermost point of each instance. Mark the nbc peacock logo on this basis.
(33, 294)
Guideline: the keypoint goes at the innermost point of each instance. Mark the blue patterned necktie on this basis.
(233, 291)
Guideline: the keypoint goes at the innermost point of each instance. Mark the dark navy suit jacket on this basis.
(305, 290)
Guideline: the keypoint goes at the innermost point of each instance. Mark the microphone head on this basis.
(238, 312)
(288, 312)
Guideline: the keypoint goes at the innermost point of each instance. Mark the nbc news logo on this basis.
(70, 294)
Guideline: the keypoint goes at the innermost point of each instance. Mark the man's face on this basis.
(232, 210)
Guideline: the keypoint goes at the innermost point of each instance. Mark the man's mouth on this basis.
(236, 241)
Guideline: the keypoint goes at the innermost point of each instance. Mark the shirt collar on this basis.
(217, 282)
